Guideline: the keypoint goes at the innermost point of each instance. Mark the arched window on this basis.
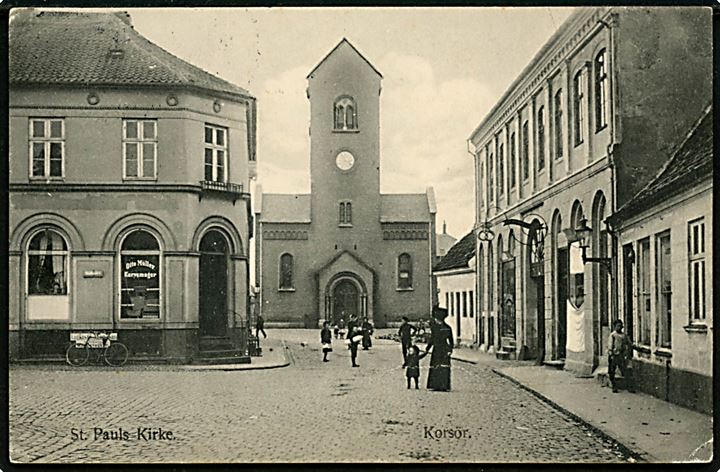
(525, 151)
(286, 272)
(345, 216)
(345, 113)
(511, 165)
(47, 264)
(491, 182)
(541, 139)
(140, 276)
(404, 271)
(576, 279)
(601, 90)
(501, 169)
(578, 109)
(557, 126)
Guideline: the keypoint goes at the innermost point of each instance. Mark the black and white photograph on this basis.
(342, 235)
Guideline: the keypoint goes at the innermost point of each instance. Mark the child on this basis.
(413, 365)
(326, 340)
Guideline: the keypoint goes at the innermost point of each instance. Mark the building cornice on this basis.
(49, 187)
(571, 35)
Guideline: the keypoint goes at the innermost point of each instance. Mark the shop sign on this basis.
(94, 274)
(140, 269)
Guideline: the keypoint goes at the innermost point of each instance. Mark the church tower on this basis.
(344, 93)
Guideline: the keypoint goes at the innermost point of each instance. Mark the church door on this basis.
(345, 301)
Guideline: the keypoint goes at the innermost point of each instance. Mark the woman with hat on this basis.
(441, 343)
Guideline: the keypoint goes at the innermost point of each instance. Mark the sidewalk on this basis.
(274, 354)
(657, 430)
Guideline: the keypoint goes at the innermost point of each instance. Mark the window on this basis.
(513, 176)
(501, 170)
(447, 301)
(404, 271)
(47, 263)
(491, 183)
(458, 309)
(576, 279)
(578, 112)
(345, 114)
(47, 148)
(541, 139)
(471, 301)
(558, 124)
(345, 216)
(140, 276)
(140, 149)
(464, 305)
(663, 322)
(451, 307)
(525, 151)
(215, 153)
(286, 272)
(644, 291)
(696, 249)
(601, 90)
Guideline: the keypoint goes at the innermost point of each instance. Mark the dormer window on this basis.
(345, 113)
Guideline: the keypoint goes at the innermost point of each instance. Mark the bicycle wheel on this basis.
(116, 354)
(77, 355)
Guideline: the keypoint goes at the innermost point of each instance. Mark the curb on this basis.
(626, 451)
(236, 367)
(463, 360)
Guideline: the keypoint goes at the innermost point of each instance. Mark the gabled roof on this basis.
(459, 255)
(691, 163)
(404, 208)
(285, 208)
(341, 254)
(81, 48)
(343, 41)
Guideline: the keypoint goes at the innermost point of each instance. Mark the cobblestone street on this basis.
(310, 411)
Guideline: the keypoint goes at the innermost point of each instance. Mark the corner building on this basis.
(129, 209)
(587, 124)
(345, 248)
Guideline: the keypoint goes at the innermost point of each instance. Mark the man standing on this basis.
(619, 351)
(260, 327)
(354, 335)
(405, 333)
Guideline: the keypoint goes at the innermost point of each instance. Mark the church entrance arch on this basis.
(345, 295)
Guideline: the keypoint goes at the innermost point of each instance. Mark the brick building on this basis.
(345, 248)
(579, 132)
(129, 208)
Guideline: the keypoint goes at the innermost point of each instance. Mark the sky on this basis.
(443, 69)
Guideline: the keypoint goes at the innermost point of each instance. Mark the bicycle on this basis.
(105, 346)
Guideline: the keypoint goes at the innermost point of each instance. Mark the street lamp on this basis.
(583, 233)
(484, 232)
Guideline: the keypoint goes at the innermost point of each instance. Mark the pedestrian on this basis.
(619, 352)
(441, 343)
(412, 362)
(405, 334)
(336, 330)
(354, 336)
(367, 331)
(326, 341)
(260, 327)
(341, 328)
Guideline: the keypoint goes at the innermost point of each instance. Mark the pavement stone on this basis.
(309, 411)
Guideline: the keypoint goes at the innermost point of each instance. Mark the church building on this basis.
(345, 248)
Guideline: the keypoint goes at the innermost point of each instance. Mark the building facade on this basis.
(345, 248)
(455, 278)
(665, 274)
(576, 135)
(129, 209)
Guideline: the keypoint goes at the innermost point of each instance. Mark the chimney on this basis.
(444, 227)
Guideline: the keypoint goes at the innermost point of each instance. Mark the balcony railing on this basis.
(226, 188)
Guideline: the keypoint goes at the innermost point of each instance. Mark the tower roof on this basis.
(343, 41)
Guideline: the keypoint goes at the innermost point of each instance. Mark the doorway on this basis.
(345, 301)
(213, 284)
(562, 297)
(507, 320)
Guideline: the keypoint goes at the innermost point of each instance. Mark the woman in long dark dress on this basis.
(441, 343)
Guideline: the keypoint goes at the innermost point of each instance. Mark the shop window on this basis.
(696, 256)
(405, 271)
(47, 148)
(345, 114)
(47, 264)
(345, 216)
(663, 275)
(140, 276)
(601, 90)
(558, 124)
(216, 154)
(140, 149)
(286, 272)
(644, 291)
(578, 109)
(541, 139)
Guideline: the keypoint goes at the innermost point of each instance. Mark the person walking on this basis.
(405, 334)
(441, 343)
(260, 327)
(619, 352)
(326, 340)
(367, 331)
(412, 372)
(354, 335)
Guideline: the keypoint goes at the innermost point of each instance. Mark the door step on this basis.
(555, 364)
(214, 343)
